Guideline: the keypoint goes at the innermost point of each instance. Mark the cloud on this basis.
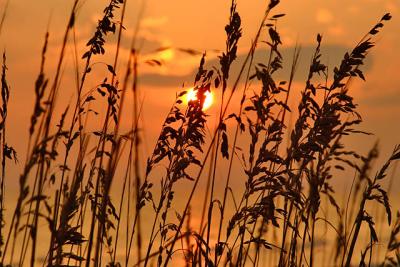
(336, 30)
(382, 100)
(323, 16)
(331, 56)
(154, 22)
(144, 42)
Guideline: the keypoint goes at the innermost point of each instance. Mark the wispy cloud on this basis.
(324, 16)
(154, 22)
(332, 55)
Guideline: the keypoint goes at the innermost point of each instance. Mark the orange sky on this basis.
(200, 25)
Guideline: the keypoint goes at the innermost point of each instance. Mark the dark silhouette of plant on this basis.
(74, 161)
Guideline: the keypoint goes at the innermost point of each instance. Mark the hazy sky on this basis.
(199, 25)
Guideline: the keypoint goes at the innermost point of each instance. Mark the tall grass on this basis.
(276, 219)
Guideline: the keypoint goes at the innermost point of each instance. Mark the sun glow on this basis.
(191, 95)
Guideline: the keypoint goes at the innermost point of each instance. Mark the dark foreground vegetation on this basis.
(287, 203)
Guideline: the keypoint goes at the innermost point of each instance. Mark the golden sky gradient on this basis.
(199, 25)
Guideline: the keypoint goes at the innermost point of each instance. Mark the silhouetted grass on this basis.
(286, 171)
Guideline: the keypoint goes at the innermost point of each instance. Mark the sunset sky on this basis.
(199, 25)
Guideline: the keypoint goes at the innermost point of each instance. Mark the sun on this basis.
(191, 95)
